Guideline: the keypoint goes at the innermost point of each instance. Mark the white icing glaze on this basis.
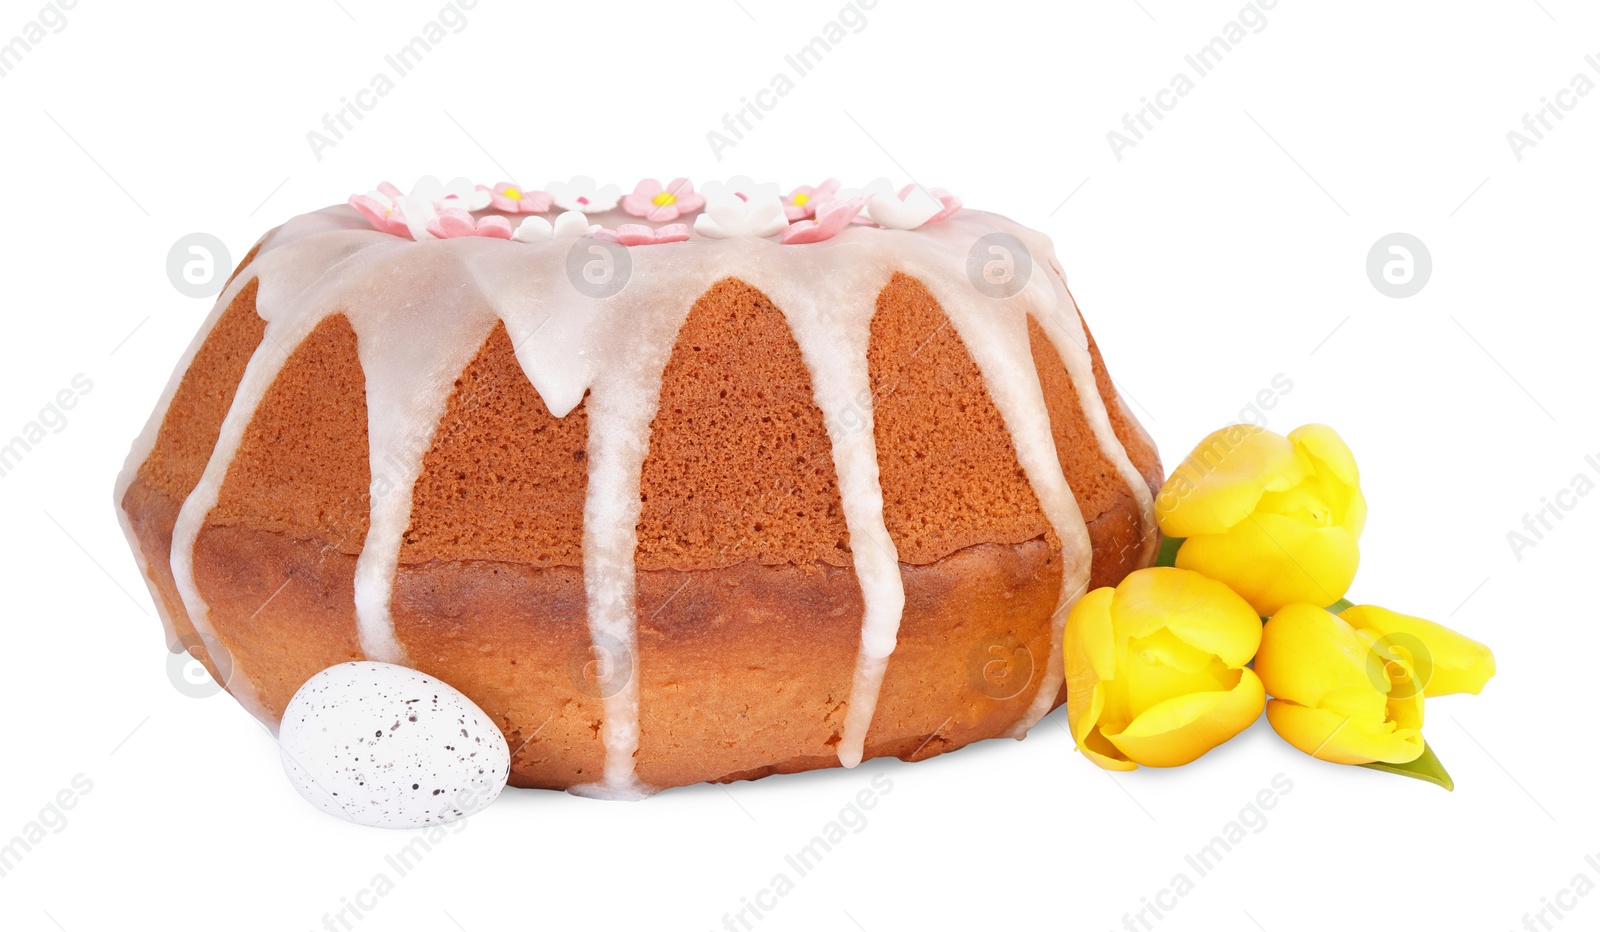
(409, 383)
(995, 331)
(626, 345)
(421, 311)
(143, 445)
(1052, 305)
(1063, 325)
(292, 271)
(829, 311)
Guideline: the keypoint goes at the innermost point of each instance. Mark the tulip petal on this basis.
(1165, 649)
(1366, 702)
(1405, 711)
(1313, 658)
(1153, 669)
(1272, 560)
(1320, 500)
(1446, 661)
(1324, 444)
(1222, 479)
(1183, 728)
(1202, 612)
(1094, 745)
(1089, 651)
(1355, 518)
(1104, 755)
(1343, 739)
(1089, 639)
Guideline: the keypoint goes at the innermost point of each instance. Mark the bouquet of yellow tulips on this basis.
(1248, 601)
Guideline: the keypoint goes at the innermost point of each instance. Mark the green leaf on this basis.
(1340, 606)
(1168, 555)
(1426, 768)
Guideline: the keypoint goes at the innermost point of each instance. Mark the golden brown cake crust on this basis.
(740, 466)
(749, 610)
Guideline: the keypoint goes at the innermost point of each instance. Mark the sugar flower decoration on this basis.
(831, 217)
(637, 234)
(742, 187)
(878, 187)
(453, 222)
(381, 207)
(948, 202)
(512, 199)
(458, 193)
(418, 212)
(803, 201)
(653, 201)
(390, 211)
(908, 209)
(740, 207)
(569, 225)
(581, 193)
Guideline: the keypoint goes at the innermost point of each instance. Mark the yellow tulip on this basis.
(1444, 661)
(1276, 518)
(1339, 694)
(1156, 669)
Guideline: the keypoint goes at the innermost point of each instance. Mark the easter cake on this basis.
(676, 486)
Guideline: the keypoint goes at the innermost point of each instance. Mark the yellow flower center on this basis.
(801, 199)
(663, 199)
(512, 193)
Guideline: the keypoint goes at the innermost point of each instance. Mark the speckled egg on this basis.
(391, 747)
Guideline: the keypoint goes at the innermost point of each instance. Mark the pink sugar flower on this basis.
(653, 201)
(637, 234)
(512, 199)
(949, 203)
(382, 209)
(803, 201)
(453, 222)
(831, 217)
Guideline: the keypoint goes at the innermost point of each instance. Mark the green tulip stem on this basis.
(1340, 606)
(1426, 768)
(1168, 555)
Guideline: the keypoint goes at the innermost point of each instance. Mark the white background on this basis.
(1226, 248)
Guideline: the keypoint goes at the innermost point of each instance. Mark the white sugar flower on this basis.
(740, 186)
(581, 193)
(570, 224)
(740, 207)
(907, 210)
(417, 211)
(459, 192)
(869, 191)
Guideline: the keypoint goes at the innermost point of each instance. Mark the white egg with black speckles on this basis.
(391, 747)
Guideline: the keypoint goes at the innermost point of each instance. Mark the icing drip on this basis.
(281, 276)
(1057, 311)
(995, 331)
(409, 383)
(631, 340)
(830, 315)
(143, 446)
(1064, 327)
(620, 411)
(614, 350)
(421, 311)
